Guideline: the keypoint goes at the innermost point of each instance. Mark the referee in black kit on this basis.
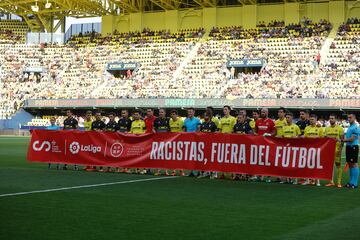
(70, 123)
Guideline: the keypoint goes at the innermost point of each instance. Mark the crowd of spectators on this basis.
(291, 65)
(306, 28)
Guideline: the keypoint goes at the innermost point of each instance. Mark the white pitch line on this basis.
(84, 186)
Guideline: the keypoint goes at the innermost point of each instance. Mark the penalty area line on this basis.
(85, 186)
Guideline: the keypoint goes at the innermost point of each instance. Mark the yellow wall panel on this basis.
(189, 19)
(247, 16)
(337, 11)
(107, 24)
(291, 13)
(231, 16)
(154, 20)
(268, 13)
(353, 9)
(171, 20)
(209, 18)
(317, 11)
(136, 22)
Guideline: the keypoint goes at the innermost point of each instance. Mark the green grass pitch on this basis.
(177, 208)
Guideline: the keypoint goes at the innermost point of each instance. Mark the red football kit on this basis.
(264, 125)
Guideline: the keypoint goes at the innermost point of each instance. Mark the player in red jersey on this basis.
(265, 126)
(149, 120)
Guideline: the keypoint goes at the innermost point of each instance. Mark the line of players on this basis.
(259, 124)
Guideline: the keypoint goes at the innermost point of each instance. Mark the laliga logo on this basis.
(116, 149)
(74, 147)
(44, 144)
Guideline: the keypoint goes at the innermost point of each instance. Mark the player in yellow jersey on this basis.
(88, 121)
(313, 131)
(227, 122)
(280, 122)
(87, 127)
(290, 130)
(337, 132)
(138, 125)
(176, 123)
(255, 115)
(226, 125)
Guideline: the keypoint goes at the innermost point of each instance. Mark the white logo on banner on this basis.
(44, 144)
(74, 147)
(116, 149)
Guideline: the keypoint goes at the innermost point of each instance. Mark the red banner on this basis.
(257, 155)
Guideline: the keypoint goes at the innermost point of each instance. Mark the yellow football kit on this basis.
(279, 125)
(176, 126)
(252, 124)
(226, 124)
(138, 127)
(290, 131)
(87, 125)
(336, 132)
(313, 132)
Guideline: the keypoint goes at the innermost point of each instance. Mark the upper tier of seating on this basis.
(13, 31)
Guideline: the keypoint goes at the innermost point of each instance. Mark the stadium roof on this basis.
(39, 13)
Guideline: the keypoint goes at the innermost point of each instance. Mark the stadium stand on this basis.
(342, 68)
(186, 64)
(13, 31)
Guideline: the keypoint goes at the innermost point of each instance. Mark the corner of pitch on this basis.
(298, 157)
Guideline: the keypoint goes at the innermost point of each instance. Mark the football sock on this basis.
(351, 175)
(355, 176)
(339, 175)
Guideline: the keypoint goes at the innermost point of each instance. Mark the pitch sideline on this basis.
(84, 186)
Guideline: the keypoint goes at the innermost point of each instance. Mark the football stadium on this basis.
(179, 119)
